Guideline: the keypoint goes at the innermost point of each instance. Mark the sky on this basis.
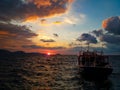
(60, 26)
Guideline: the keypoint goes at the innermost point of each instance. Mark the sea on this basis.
(57, 72)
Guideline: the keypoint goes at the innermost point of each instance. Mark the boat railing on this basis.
(92, 59)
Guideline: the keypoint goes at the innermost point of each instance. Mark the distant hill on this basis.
(6, 53)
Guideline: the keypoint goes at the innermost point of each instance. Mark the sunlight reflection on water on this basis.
(49, 73)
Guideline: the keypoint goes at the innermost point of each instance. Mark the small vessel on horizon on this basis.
(94, 66)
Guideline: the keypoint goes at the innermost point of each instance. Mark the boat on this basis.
(94, 66)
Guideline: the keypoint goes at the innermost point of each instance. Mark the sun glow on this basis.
(48, 53)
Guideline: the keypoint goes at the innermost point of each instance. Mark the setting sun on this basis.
(49, 53)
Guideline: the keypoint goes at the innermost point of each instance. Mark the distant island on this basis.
(7, 53)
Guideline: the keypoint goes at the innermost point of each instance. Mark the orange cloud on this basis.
(112, 25)
(14, 35)
(104, 23)
(3, 33)
(48, 8)
(31, 18)
(30, 10)
(40, 3)
(71, 1)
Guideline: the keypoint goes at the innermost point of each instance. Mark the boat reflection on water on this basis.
(99, 85)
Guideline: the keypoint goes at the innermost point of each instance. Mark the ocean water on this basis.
(59, 72)
(115, 76)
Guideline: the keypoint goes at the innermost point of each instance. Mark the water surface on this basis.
(51, 73)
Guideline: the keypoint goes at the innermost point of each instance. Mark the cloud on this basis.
(47, 40)
(43, 21)
(82, 16)
(109, 49)
(70, 20)
(87, 37)
(55, 48)
(42, 47)
(112, 39)
(32, 46)
(32, 9)
(57, 22)
(112, 25)
(98, 33)
(55, 35)
(110, 36)
(14, 35)
(74, 44)
(111, 32)
(31, 18)
(74, 19)
(66, 19)
(17, 31)
(40, 3)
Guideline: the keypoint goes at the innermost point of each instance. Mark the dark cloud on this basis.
(55, 48)
(113, 39)
(14, 35)
(108, 49)
(43, 21)
(111, 32)
(42, 47)
(26, 10)
(98, 33)
(16, 30)
(110, 36)
(75, 49)
(87, 37)
(112, 25)
(55, 34)
(73, 44)
(47, 40)
(23, 9)
(32, 46)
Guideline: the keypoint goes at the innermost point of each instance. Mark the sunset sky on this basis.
(60, 26)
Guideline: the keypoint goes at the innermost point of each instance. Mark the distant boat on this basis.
(94, 66)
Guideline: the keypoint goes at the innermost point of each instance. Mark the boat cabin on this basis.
(89, 58)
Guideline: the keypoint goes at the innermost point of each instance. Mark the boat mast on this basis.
(80, 52)
(102, 49)
(88, 45)
(81, 46)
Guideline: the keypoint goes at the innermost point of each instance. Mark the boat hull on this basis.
(95, 73)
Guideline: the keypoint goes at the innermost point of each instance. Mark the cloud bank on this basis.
(14, 35)
(42, 47)
(109, 36)
(26, 9)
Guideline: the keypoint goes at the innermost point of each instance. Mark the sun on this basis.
(48, 53)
